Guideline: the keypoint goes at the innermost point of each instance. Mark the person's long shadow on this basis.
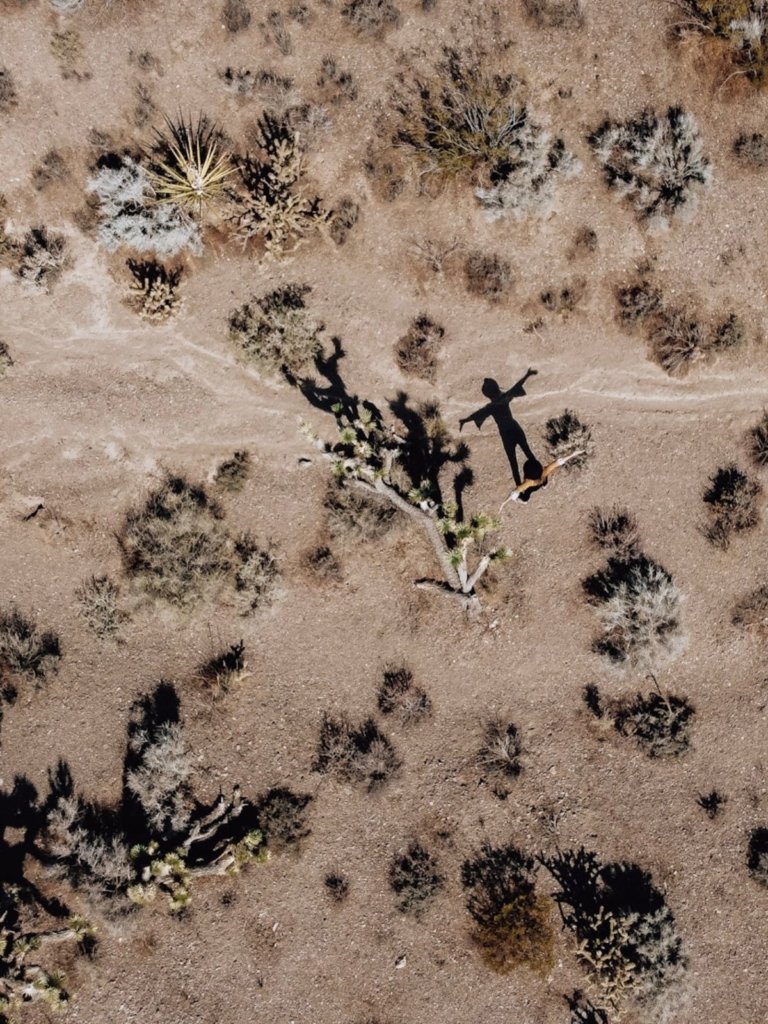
(511, 433)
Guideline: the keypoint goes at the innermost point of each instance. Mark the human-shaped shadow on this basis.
(511, 433)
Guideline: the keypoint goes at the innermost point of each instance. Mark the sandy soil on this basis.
(98, 404)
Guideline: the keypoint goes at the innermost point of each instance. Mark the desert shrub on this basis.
(357, 515)
(159, 775)
(275, 32)
(757, 441)
(416, 352)
(232, 473)
(711, 803)
(6, 360)
(729, 333)
(584, 1011)
(565, 299)
(386, 175)
(501, 749)
(188, 165)
(616, 531)
(677, 341)
(40, 258)
(130, 217)
(463, 120)
(637, 303)
(591, 697)
(655, 161)
(269, 86)
(625, 933)
(638, 606)
(8, 95)
(144, 108)
(26, 650)
(414, 876)
(257, 574)
(342, 219)
(69, 53)
(337, 886)
(223, 671)
(732, 502)
(335, 84)
(276, 331)
(154, 290)
(356, 753)
(371, 17)
(237, 15)
(585, 242)
(282, 817)
(511, 925)
(555, 13)
(751, 612)
(175, 542)
(487, 275)
(98, 598)
(321, 563)
(752, 150)
(757, 855)
(740, 26)
(566, 434)
(51, 168)
(272, 205)
(661, 724)
(398, 696)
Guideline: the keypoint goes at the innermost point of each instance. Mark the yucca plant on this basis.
(188, 166)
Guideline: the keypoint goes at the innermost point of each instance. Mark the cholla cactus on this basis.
(273, 206)
(154, 293)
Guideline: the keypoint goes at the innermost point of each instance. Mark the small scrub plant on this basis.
(711, 803)
(237, 15)
(269, 86)
(256, 575)
(69, 53)
(757, 855)
(8, 95)
(342, 219)
(399, 697)
(659, 722)
(566, 434)
(26, 650)
(282, 817)
(361, 754)
(653, 160)
(751, 150)
(372, 18)
(584, 1011)
(275, 32)
(510, 919)
(565, 299)
(500, 752)
(625, 933)
(337, 886)
(6, 360)
(757, 442)
(739, 26)
(232, 474)
(417, 351)
(732, 500)
(415, 878)
(751, 611)
(41, 256)
(677, 341)
(638, 303)
(224, 671)
(272, 205)
(615, 530)
(728, 333)
(487, 275)
(336, 84)
(99, 597)
(154, 290)
(321, 564)
(51, 168)
(276, 331)
(568, 14)
(188, 166)
(358, 516)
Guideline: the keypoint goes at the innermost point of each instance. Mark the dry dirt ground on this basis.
(99, 403)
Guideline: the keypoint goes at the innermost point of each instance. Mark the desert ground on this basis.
(100, 407)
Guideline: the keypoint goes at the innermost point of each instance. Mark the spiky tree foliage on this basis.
(654, 160)
(272, 205)
(625, 933)
(188, 166)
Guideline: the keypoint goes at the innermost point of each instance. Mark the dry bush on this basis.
(584, 1011)
(26, 650)
(638, 303)
(40, 258)
(659, 723)
(757, 441)
(154, 290)
(555, 13)
(385, 174)
(342, 219)
(371, 18)
(98, 598)
(159, 776)
(740, 26)
(6, 361)
(237, 15)
(677, 341)
(224, 671)
(282, 817)
(757, 855)
(616, 532)
(500, 752)
(711, 803)
(729, 333)
(626, 935)
(69, 53)
(272, 205)
(414, 876)
(337, 886)
(655, 161)
(417, 351)
(511, 921)
(257, 574)
(585, 242)
(269, 86)
(638, 607)
(51, 168)
(397, 695)
(752, 150)
(275, 32)
(564, 300)
(8, 95)
(566, 434)
(276, 331)
(487, 275)
(321, 563)
(144, 107)
(335, 84)
(176, 543)
(356, 753)
(232, 473)
(358, 515)
(732, 503)
(751, 611)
